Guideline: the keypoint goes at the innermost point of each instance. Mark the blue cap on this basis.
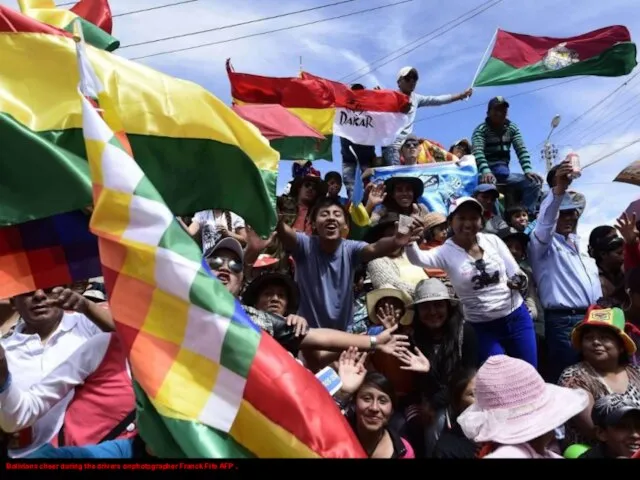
(486, 187)
(573, 201)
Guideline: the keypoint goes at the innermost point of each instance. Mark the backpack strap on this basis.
(120, 428)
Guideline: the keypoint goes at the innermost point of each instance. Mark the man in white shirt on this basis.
(214, 225)
(44, 337)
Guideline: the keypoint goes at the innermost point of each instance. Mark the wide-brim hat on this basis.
(416, 185)
(514, 405)
(386, 291)
(433, 219)
(252, 291)
(375, 233)
(432, 290)
(612, 318)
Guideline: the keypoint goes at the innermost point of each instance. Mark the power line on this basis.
(617, 125)
(573, 122)
(484, 104)
(613, 153)
(134, 11)
(272, 31)
(436, 31)
(225, 27)
(152, 8)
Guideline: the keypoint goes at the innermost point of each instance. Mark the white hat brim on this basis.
(521, 425)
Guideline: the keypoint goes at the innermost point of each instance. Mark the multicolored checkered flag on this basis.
(208, 381)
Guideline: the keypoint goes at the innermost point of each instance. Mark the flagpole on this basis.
(482, 60)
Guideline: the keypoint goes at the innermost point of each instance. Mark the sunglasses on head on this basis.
(216, 263)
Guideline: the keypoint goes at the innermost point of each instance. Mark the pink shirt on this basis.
(523, 450)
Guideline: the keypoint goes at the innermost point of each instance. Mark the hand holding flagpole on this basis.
(482, 60)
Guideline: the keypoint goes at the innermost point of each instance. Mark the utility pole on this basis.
(549, 151)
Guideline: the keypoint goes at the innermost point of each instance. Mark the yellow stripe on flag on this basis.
(148, 102)
(256, 432)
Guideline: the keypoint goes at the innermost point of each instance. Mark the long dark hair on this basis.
(445, 359)
(458, 384)
(378, 381)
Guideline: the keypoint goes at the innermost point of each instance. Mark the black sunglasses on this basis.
(217, 262)
(411, 144)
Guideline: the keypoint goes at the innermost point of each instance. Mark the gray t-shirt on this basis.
(326, 281)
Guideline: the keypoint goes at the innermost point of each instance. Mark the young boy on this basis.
(617, 422)
(518, 218)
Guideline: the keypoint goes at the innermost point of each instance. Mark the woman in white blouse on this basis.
(488, 282)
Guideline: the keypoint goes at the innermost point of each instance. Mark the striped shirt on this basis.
(492, 147)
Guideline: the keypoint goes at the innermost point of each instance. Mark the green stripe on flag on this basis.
(616, 61)
(174, 239)
(172, 438)
(95, 36)
(237, 359)
(190, 174)
(300, 148)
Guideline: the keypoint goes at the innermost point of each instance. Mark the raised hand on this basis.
(67, 299)
(563, 175)
(386, 315)
(351, 370)
(390, 343)
(377, 195)
(414, 235)
(628, 228)
(255, 243)
(414, 362)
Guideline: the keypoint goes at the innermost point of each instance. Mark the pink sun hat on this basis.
(514, 405)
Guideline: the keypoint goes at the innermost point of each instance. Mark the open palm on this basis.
(351, 370)
(415, 362)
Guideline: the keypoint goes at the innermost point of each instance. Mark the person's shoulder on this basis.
(481, 127)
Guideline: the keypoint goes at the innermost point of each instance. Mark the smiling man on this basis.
(567, 279)
(326, 263)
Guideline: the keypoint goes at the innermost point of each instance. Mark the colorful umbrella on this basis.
(287, 134)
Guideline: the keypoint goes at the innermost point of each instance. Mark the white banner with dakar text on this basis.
(366, 116)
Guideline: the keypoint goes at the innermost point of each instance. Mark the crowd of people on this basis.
(482, 332)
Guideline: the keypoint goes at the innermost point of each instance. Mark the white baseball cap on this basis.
(458, 202)
(404, 71)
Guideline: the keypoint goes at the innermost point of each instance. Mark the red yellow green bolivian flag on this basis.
(94, 16)
(518, 58)
(196, 151)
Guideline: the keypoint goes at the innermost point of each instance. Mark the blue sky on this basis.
(446, 64)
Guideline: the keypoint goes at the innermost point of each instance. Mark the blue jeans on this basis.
(530, 190)
(391, 155)
(512, 335)
(558, 326)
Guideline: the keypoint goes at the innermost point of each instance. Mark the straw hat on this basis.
(514, 405)
(612, 318)
(386, 291)
(433, 219)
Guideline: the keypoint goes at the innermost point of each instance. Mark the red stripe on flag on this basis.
(364, 100)
(15, 22)
(520, 50)
(302, 405)
(97, 12)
